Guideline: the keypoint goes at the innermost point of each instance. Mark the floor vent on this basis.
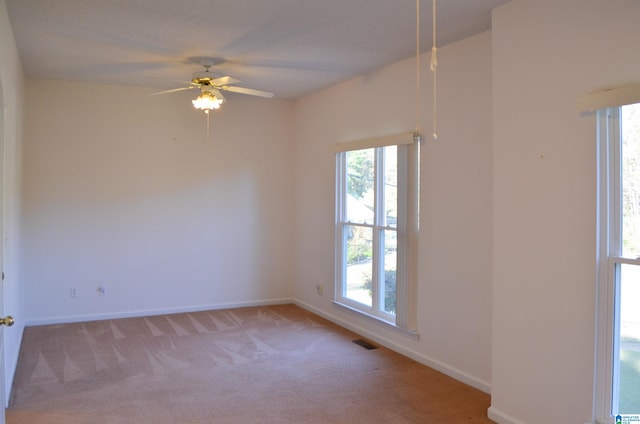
(365, 344)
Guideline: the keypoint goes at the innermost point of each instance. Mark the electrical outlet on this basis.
(320, 288)
(101, 290)
(73, 292)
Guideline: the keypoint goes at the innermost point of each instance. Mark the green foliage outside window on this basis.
(631, 180)
(389, 290)
(361, 169)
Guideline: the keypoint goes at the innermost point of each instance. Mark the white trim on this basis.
(378, 227)
(412, 334)
(404, 305)
(611, 97)
(609, 244)
(367, 143)
(604, 295)
(500, 417)
(340, 236)
(437, 365)
(452, 372)
(152, 312)
(406, 271)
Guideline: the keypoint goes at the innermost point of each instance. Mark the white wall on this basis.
(545, 55)
(122, 189)
(12, 82)
(454, 299)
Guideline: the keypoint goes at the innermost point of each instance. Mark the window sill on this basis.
(412, 334)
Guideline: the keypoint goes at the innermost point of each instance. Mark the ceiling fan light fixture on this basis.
(207, 101)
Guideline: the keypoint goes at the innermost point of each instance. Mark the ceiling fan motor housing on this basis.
(203, 77)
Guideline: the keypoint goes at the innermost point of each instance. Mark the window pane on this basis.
(630, 124)
(390, 266)
(391, 185)
(629, 380)
(360, 186)
(359, 264)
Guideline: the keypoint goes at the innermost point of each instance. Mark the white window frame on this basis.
(608, 184)
(609, 259)
(404, 321)
(607, 103)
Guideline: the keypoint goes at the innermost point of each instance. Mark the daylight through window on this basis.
(376, 223)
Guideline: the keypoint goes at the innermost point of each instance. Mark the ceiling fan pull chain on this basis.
(208, 120)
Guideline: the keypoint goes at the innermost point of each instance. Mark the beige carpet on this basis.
(278, 364)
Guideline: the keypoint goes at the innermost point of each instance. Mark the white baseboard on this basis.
(500, 417)
(493, 413)
(151, 312)
(419, 357)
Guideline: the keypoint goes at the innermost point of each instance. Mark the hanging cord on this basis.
(434, 69)
(418, 111)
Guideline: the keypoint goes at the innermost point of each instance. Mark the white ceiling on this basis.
(289, 47)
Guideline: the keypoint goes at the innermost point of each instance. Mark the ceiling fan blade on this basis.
(219, 95)
(174, 90)
(226, 80)
(249, 91)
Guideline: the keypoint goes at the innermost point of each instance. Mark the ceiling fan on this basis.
(211, 86)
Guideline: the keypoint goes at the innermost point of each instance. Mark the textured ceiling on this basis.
(289, 47)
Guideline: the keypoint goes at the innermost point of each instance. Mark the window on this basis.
(618, 382)
(376, 225)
